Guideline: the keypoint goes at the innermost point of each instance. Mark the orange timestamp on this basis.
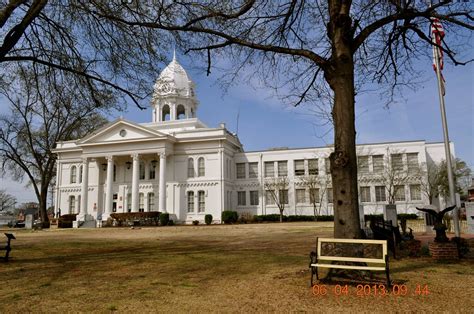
(372, 290)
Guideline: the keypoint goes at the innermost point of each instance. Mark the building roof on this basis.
(174, 80)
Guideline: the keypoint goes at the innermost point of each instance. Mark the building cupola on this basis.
(173, 94)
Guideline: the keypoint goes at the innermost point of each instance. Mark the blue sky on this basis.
(265, 122)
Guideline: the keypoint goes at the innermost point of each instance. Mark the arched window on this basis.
(141, 202)
(180, 112)
(190, 168)
(165, 113)
(80, 174)
(201, 201)
(142, 171)
(72, 204)
(73, 174)
(151, 202)
(190, 201)
(201, 167)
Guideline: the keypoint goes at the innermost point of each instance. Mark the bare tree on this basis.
(103, 58)
(309, 52)
(42, 113)
(7, 202)
(318, 186)
(430, 182)
(436, 182)
(278, 189)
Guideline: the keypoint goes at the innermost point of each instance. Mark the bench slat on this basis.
(348, 266)
(364, 241)
(352, 259)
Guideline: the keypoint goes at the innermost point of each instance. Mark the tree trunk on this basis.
(343, 161)
(43, 206)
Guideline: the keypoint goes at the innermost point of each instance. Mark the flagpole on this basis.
(447, 148)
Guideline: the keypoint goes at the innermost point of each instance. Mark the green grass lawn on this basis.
(239, 268)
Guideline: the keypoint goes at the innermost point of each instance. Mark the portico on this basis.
(125, 181)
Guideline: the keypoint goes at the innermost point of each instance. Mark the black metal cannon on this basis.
(8, 247)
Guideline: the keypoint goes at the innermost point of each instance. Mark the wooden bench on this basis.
(356, 261)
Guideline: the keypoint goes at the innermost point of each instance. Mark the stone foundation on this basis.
(443, 251)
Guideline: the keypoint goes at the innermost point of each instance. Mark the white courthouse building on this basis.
(177, 164)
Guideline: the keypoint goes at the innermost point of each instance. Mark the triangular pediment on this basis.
(121, 131)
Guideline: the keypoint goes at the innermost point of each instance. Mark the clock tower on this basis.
(173, 95)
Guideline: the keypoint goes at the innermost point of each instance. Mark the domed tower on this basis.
(173, 94)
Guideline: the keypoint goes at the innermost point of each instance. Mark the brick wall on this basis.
(443, 251)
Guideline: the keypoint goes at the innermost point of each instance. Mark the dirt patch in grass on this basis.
(239, 268)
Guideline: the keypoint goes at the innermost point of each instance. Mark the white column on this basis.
(162, 184)
(84, 188)
(109, 183)
(135, 173)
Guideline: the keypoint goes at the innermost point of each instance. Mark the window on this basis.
(201, 202)
(141, 202)
(129, 202)
(253, 197)
(412, 161)
(165, 113)
(282, 168)
(380, 194)
(180, 112)
(377, 163)
(72, 178)
(314, 196)
(72, 204)
(313, 167)
(397, 162)
(363, 164)
(269, 200)
(80, 174)
(365, 194)
(141, 171)
(240, 170)
(151, 202)
(190, 201)
(115, 174)
(152, 170)
(328, 165)
(201, 167)
(241, 199)
(399, 192)
(269, 169)
(330, 196)
(190, 168)
(300, 196)
(253, 169)
(283, 196)
(415, 192)
(299, 167)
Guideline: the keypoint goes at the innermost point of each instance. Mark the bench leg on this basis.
(387, 271)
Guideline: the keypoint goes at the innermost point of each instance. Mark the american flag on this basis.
(437, 33)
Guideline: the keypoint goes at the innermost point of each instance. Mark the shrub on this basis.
(208, 219)
(463, 246)
(164, 219)
(246, 218)
(195, 222)
(229, 216)
(407, 216)
(65, 221)
(425, 251)
(171, 222)
(143, 218)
